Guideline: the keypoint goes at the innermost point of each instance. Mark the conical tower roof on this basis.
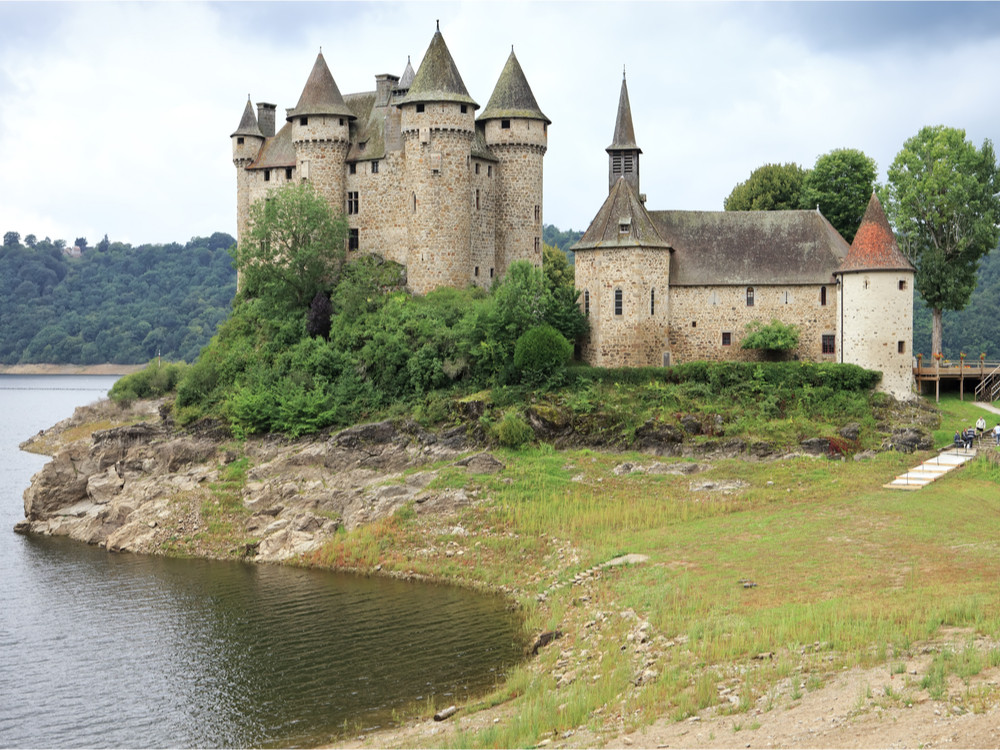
(437, 78)
(512, 96)
(248, 123)
(624, 139)
(874, 247)
(406, 80)
(321, 95)
(622, 222)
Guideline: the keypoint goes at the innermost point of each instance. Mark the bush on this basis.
(154, 381)
(540, 354)
(512, 431)
(775, 337)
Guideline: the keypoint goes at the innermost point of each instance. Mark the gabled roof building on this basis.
(664, 287)
(421, 180)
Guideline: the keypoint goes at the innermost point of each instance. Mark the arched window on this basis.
(618, 301)
(749, 296)
(652, 301)
(586, 302)
(822, 296)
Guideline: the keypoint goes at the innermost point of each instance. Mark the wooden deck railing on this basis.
(986, 374)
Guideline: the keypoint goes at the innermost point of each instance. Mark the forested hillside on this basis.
(115, 303)
(974, 330)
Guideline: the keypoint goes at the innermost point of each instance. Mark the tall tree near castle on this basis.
(942, 199)
(772, 187)
(840, 185)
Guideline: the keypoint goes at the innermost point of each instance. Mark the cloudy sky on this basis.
(115, 117)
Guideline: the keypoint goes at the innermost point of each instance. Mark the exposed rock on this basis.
(544, 639)
(910, 439)
(850, 431)
(691, 424)
(816, 446)
(482, 463)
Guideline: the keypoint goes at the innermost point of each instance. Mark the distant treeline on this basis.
(564, 240)
(114, 303)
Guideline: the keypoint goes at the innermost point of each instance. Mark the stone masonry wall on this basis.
(381, 218)
(484, 222)
(700, 315)
(878, 322)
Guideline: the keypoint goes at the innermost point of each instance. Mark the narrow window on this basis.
(822, 296)
(652, 301)
(616, 164)
(627, 163)
(901, 347)
(465, 108)
(420, 108)
(353, 241)
(477, 167)
(538, 245)
(618, 301)
(902, 284)
(352, 168)
(866, 282)
(341, 122)
(477, 199)
(727, 338)
(749, 296)
(239, 140)
(267, 175)
(353, 203)
(414, 203)
(586, 302)
(786, 298)
(538, 213)
(828, 343)
(694, 323)
(375, 167)
(491, 273)
(505, 124)
(475, 271)
(288, 173)
(489, 170)
(304, 121)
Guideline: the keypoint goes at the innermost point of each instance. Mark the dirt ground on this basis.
(856, 708)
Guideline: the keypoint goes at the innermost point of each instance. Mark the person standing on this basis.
(980, 428)
(996, 433)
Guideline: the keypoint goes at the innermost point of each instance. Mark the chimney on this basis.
(384, 85)
(265, 118)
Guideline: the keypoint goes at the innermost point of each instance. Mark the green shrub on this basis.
(540, 354)
(773, 337)
(512, 431)
(154, 381)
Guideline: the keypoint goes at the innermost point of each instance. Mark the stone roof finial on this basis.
(438, 22)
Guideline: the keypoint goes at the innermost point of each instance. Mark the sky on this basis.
(115, 117)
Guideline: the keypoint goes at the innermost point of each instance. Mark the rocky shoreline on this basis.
(40, 369)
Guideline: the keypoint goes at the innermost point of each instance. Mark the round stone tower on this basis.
(247, 140)
(516, 131)
(321, 134)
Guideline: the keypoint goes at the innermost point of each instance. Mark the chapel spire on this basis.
(623, 153)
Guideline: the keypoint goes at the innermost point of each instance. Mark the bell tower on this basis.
(623, 153)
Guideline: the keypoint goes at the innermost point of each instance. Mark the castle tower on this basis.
(876, 304)
(623, 153)
(247, 140)
(516, 131)
(321, 134)
(438, 128)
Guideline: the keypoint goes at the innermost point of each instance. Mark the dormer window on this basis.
(624, 225)
(303, 121)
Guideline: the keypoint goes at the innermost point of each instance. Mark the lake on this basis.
(119, 650)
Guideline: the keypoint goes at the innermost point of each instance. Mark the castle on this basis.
(458, 198)
(421, 180)
(665, 287)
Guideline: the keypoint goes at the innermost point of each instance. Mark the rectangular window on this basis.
(822, 296)
(465, 108)
(477, 199)
(505, 124)
(538, 213)
(288, 173)
(303, 121)
(353, 240)
(538, 245)
(491, 273)
(420, 108)
(352, 168)
(618, 301)
(902, 284)
(477, 167)
(239, 140)
(267, 175)
(353, 203)
(475, 271)
(489, 170)
(375, 167)
(749, 296)
(828, 343)
(901, 347)
(586, 302)
(727, 338)
(616, 164)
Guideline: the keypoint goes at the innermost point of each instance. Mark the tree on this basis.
(11, 239)
(103, 245)
(31, 240)
(294, 248)
(557, 268)
(942, 200)
(840, 184)
(772, 187)
(80, 242)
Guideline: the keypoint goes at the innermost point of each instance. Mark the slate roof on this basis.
(437, 78)
(621, 208)
(624, 138)
(248, 123)
(320, 96)
(277, 151)
(749, 248)
(512, 96)
(874, 247)
(367, 132)
(480, 149)
(406, 80)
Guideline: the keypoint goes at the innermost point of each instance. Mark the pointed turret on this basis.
(874, 247)
(623, 153)
(248, 123)
(320, 96)
(512, 96)
(437, 79)
(622, 222)
(406, 80)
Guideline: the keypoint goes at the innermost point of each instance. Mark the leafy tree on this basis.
(557, 268)
(294, 248)
(772, 187)
(81, 242)
(541, 354)
(31, 241)
(103, 245)
(942, 199)
(11, 239)
(840, 184)
(774, 339)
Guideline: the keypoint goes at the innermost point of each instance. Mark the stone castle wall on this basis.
(381, 219)
(699, 316)
(483, 202)
(878, 323)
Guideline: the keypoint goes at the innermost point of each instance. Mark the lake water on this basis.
(119, 650)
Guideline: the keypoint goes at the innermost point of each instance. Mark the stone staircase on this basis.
(931, 469)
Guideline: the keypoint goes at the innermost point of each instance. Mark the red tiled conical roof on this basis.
(874, 247)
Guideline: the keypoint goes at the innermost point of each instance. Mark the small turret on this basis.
(623, 153)
(247, 138)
